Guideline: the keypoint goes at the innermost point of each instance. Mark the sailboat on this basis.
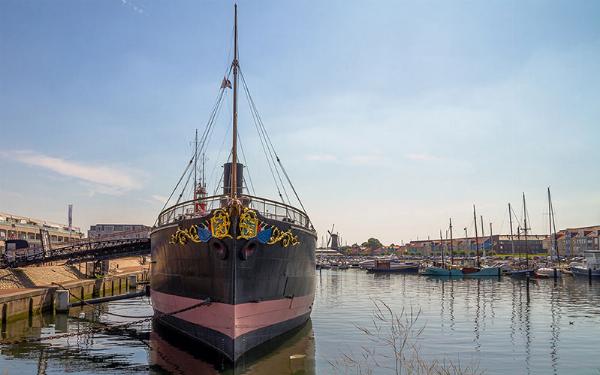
(550, 272)
(523, 270)
(478, 270)
(232, 270)
(444, 269)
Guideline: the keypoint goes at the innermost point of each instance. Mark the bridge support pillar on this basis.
(132, 281)
(62, 301)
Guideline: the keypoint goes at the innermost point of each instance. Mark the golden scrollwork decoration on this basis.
(250, 227)
(287, 238)
(182, 236)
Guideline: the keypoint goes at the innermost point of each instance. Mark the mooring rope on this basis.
(105, 326)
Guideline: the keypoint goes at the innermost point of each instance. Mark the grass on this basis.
(394, 348)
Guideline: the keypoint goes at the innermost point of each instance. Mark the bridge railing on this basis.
(266, 207)
(37, 254)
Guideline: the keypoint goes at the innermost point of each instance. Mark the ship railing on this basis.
(270, 209)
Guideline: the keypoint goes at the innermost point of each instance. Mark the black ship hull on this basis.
(236, 287)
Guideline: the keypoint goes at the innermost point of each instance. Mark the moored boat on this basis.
(590, 265)
(232, 270)
(547, 272)
(441, 271)
(387, 266)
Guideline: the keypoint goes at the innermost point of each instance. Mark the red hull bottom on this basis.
(232, 329)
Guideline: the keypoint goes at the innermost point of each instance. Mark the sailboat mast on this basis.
(442, 247)
(482, 236)
(553, 226)
(491, 240)
(550, 222)
(476, 236)
(451, 246)
(525, 231)
(512, 240)
(235, 110)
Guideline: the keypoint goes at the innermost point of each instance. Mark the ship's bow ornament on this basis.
(250, 227)
(220, 224)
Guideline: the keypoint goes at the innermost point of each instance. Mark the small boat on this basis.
(547, 273)
(442, 271)
(481, 271)
(590, 265)
(521, 272)
(387, 266)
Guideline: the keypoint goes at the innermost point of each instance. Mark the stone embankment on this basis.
(31, 290)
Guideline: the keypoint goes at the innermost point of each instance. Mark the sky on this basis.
(390, 116)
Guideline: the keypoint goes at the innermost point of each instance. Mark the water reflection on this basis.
(292, 354)
(496, 323)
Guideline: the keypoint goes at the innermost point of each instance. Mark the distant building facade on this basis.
(574, 241)
(118, 231)
(570, 242)
(496, 244)
(15, 227)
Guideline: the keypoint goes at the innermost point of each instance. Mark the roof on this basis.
(39, 222)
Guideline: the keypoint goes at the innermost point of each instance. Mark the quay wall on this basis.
(24, 303)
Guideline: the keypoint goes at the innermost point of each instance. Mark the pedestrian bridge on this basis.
(82, 251)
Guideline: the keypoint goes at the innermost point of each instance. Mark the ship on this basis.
(232, 270)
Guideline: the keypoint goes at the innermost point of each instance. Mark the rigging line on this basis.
(246, 163)
(515, 216)
(292, 185)
(212, 173)
(212, 119)
(184, 187)
(262, 133)
(270, 162)
(222, 176)
(270, 145)
(211, 132)
(175, 189)
(263, 144)
(214, 114)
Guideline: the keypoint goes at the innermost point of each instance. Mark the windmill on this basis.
(332, 240)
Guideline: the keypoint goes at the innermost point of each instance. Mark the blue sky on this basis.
(390, 116)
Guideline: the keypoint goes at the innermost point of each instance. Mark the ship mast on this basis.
(235, 111)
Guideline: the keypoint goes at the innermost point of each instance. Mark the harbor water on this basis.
(491, 324)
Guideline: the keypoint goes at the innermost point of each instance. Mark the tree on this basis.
(373, 243)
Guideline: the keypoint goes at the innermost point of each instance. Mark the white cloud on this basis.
(101, 179)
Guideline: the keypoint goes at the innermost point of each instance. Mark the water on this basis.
(488, 323)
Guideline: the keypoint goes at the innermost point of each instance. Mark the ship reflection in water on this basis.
(146, 348)
(292, 353)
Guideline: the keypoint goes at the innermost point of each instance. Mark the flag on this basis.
(225, 83)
